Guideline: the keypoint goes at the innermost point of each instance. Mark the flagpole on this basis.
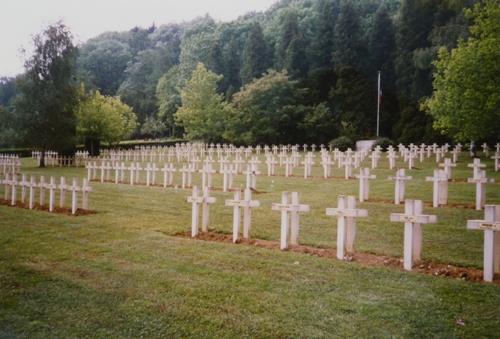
(378, 104)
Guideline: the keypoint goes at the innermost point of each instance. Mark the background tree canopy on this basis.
(331, 51)
(466, 99)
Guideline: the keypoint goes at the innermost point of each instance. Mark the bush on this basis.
(342, 143)
(383, 143)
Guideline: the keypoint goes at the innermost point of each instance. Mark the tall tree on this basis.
(255, 61)
(348, 47)
(326, 12)
(466, 99)
(103, 118)
(291, 46)
(203, 111)
(48, 93)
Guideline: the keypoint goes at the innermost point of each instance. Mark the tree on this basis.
(326, 12)
(466, 99)
(153, 128)
(168, 94)
(254, 62)
(348, 48)
(266, 111)
(291, 46)
(203, 111)
(102, 62)
(103, 118)
(48, 93)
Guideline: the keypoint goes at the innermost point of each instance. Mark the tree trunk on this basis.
(42, 159)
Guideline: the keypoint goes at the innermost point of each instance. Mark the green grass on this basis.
(122, 272)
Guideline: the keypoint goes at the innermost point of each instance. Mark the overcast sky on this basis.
(19, 19)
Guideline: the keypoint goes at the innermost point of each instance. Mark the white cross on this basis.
(375, 156)
(485, 149)
(476, 166)
(85, 194)
(439, 188)
(41, 190)
(288, 166)
(74, 188)
(238, 204)
(62, 191)
(480, 180)
(289, 218)
(206, 175)
(271, 165)
(196, 200)
(447, 165)
(491, 227)
(32, 186)
(51, 187)
(399, 188)
(392, 159)
(308, 164)
(412, 218)
(348, 166)
(168, 174)
(346, 214)
(364, 184)
(496, 157)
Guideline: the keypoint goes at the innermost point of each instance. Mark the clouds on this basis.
(20, 19)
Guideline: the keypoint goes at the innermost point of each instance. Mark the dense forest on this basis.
(302, 71)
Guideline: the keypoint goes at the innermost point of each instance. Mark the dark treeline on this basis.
(331, 51)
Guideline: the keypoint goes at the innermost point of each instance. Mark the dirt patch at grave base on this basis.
(38, 207)
(426, 204)
(365, 259)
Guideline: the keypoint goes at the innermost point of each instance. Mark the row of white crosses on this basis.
(29, 187)
(10, 165)
(290, 209)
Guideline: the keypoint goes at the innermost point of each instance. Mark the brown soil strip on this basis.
(57, 210)
(426, 204)
(365, 259)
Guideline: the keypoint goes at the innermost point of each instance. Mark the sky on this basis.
(20, 19)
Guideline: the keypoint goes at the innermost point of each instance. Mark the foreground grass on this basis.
(123, 273)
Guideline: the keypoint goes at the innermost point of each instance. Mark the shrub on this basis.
(384, 143)
(342, 143)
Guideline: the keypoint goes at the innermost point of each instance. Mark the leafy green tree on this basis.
(326, 12)
(319, 125)
(48, 94)
(254, 62)
(348, 49)
(266, 111)
(203, 111)
(102, 62)
(291, 46)
(466, 99)
(168, 94)
(354, 103)
(103, 118)
(153, 128)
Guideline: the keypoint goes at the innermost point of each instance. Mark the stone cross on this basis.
(480, 180)
(74, 188)
(327, 166)
(413, 219)
(289, 218)
(496, 158)
(187, 175)
(245, 204)
(32, 186)
(24, 184)
(62, 191)
(85, 194)
(375, 156)
(364, 184)
(439, 188)
(392, 159)
(206, 175)
(346, 214)
(41, 190)
(399, 188)
(196, 200)
(447, 165)
(52, 186)
(271, 165)
(485, 149)
(288, 166)
(476, 166)
(491, 227)
(168, 174)
(308, 164)
(348, 166)
(227, 176)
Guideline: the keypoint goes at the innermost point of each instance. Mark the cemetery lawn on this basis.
(125, 272)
